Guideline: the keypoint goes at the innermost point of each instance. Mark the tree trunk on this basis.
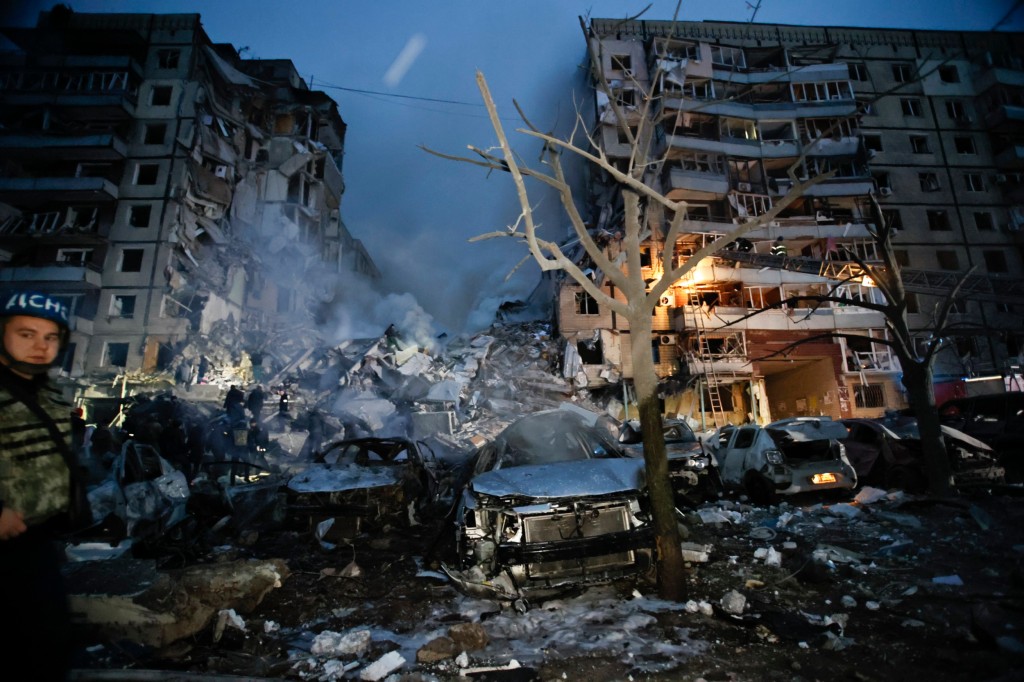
(917, 379)
(669, 555)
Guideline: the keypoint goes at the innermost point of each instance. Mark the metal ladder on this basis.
(710, 378)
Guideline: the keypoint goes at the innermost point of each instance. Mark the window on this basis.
(938, 221)
(160, 96)
(591, 351)
(586, 304)
(995, 261)
(622, 62)
(948, 260)
(122, 306)
(893, 218)
(873, 143)
(903, 72)
(882, 180)
(858, 71)
(911, 106)
(115, 355)
(625, 97)
(167, 59)
(869, 395)
(131, 260)
(725, 400)
(902, 257)
(139, 214)
(955, 110)
(919, 144)
(154, 133)
(147, 173)
(74, 256)
(929, 182)
(949, 74)
(973, 182)
(983, 221)
(964, 144)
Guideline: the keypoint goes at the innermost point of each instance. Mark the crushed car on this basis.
(369, 482)
(692, 470)
(552, 503)
(785, 457)
(887, 452)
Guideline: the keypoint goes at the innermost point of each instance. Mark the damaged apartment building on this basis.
(171, 193)
(927, 123)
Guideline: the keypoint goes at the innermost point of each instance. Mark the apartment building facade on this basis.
(162, 186)
(926, 123)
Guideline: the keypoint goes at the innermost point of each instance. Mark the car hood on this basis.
(563, 479)
(812, 429)
(327, 478)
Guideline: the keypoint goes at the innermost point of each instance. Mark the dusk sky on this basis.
(403, 74)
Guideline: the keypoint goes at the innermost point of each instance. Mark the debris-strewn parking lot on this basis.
(219, 565)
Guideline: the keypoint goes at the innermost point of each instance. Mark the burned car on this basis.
(887, 452)
(374, 481)
(692, 470)
(552, 503)
(785, 457)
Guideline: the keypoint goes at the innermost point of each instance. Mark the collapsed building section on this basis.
(177, 197)
(734, 113)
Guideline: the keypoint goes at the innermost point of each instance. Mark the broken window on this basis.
(911, 106)
(964, 145)
(983, 221)
(122, 306)
(955, 110)
(154, 133)
(762, 297)
(948, 73)
(919, 144)
(948, 260)
(160, 96)
(995, 261)
(167, 58)
(115, 355)
(625, 97)
(74, 256)
(938, 221)
(830, 128)
(131, 260)
(873, 143)
(701, 162)
(724, 395)
(974, 182)
(822, 92)
(147, 173)
(722, 55)
(903, 72)
(929, 182)
(858, 71)
(586, 304)
(590, 350)
(139, 214)
(893, 218)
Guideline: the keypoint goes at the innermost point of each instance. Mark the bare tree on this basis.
(643, 208)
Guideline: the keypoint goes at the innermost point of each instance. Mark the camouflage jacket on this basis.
(34, 478)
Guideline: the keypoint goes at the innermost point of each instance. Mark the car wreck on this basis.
(692, 469)
(785, 457)
(368, 481)
(551, 503)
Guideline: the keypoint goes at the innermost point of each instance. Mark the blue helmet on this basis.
(36, 304)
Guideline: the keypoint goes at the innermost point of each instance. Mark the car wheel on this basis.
(906, 478)
(759, 489)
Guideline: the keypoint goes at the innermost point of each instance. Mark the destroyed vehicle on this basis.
(374, 481)
(143, 491)
(692, 470)
(785, 457)
(551, 504)
(997, 419)
(887, 453)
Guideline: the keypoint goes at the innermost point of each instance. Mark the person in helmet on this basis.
(35, 481)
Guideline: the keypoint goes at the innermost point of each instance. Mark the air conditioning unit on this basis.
(885, 191)
(744, 186)
(667, 339)
(666, 300)
(627, 73)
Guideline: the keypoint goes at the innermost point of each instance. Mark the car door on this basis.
(736, 457)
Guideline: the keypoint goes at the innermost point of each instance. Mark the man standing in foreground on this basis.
(35, 483)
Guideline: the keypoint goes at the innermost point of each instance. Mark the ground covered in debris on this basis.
(880, 587)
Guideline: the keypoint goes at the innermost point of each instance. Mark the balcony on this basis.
(42, 147)
(1011, 158)
(687, 184)
(1004, 118)
(34, 191)
(55, 278)
(105, 92)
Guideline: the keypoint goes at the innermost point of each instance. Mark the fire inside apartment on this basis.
(926, 123)
(165, 188)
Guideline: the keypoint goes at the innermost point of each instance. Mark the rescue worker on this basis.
(35, 486)
(779, 248)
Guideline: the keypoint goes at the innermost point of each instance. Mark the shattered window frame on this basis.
(586, 304)
(154, 133)
(131, 260)
(122, 306)
(161, 95)
(115, 354)
(146, 174)
(139, 215)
